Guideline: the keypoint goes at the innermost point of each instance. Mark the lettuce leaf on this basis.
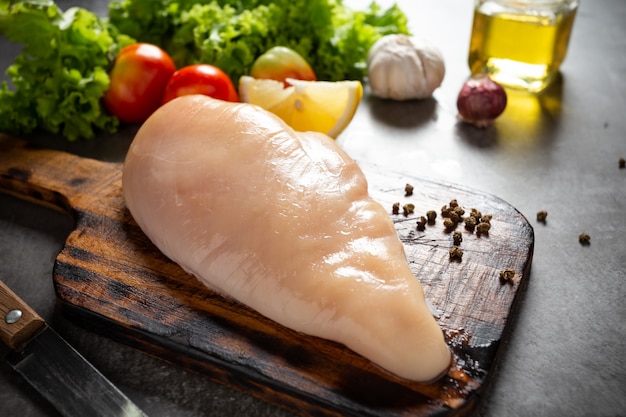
(59, 79)
(61, 74)
(232, 34)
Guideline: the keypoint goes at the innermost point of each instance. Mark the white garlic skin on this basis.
(401, 67)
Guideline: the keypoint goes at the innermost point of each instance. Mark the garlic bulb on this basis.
(481, 100)
(402, 68)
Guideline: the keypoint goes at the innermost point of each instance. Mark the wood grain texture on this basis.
(112, 280)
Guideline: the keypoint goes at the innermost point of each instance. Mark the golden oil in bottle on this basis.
(521, 43)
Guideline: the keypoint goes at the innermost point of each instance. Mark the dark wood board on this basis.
(112, 280)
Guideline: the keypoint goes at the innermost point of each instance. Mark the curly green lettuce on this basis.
(60, 75)
(333, 38)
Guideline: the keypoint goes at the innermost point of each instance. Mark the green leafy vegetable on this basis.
(61, 75)
(232, 34)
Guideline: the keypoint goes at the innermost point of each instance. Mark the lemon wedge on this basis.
(321, 106)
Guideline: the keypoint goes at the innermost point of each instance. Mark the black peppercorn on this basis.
(449, 224)
(584, 239)
(483, 227)
(421, 224)
(408, 209)
(541, 216)
(457, 238)
(507, 275)
(456, 253)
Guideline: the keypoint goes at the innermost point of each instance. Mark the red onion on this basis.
(481, 100)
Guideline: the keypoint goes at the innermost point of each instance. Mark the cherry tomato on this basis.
(138, 79)
(202, 79)
(280, 63)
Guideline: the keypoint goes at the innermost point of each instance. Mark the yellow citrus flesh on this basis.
(321, 106)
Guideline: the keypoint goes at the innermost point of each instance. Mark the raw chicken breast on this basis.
(282, 222)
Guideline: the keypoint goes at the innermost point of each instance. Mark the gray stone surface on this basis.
(557, 153)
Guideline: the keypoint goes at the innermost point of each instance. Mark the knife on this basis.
(54, 368)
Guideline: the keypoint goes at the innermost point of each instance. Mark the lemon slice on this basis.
(321, 106)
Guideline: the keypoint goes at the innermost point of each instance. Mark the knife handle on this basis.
(18, 322)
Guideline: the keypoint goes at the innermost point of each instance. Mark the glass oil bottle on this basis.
(521, 43)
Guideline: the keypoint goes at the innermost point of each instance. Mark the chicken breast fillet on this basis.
(282, 222)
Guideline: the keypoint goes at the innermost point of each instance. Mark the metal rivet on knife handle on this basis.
(17, 328)
(13, 316)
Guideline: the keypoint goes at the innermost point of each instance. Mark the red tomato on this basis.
(280, 63)
(138, 79)
(202, 79)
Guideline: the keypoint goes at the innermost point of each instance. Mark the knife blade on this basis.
(54, 368)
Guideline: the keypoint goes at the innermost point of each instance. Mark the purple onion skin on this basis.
(481, 100)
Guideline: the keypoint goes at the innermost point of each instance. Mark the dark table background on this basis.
(557, 152)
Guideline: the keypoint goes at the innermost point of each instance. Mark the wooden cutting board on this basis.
(111, 279)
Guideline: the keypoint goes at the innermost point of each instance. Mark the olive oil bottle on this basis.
(521, 43)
